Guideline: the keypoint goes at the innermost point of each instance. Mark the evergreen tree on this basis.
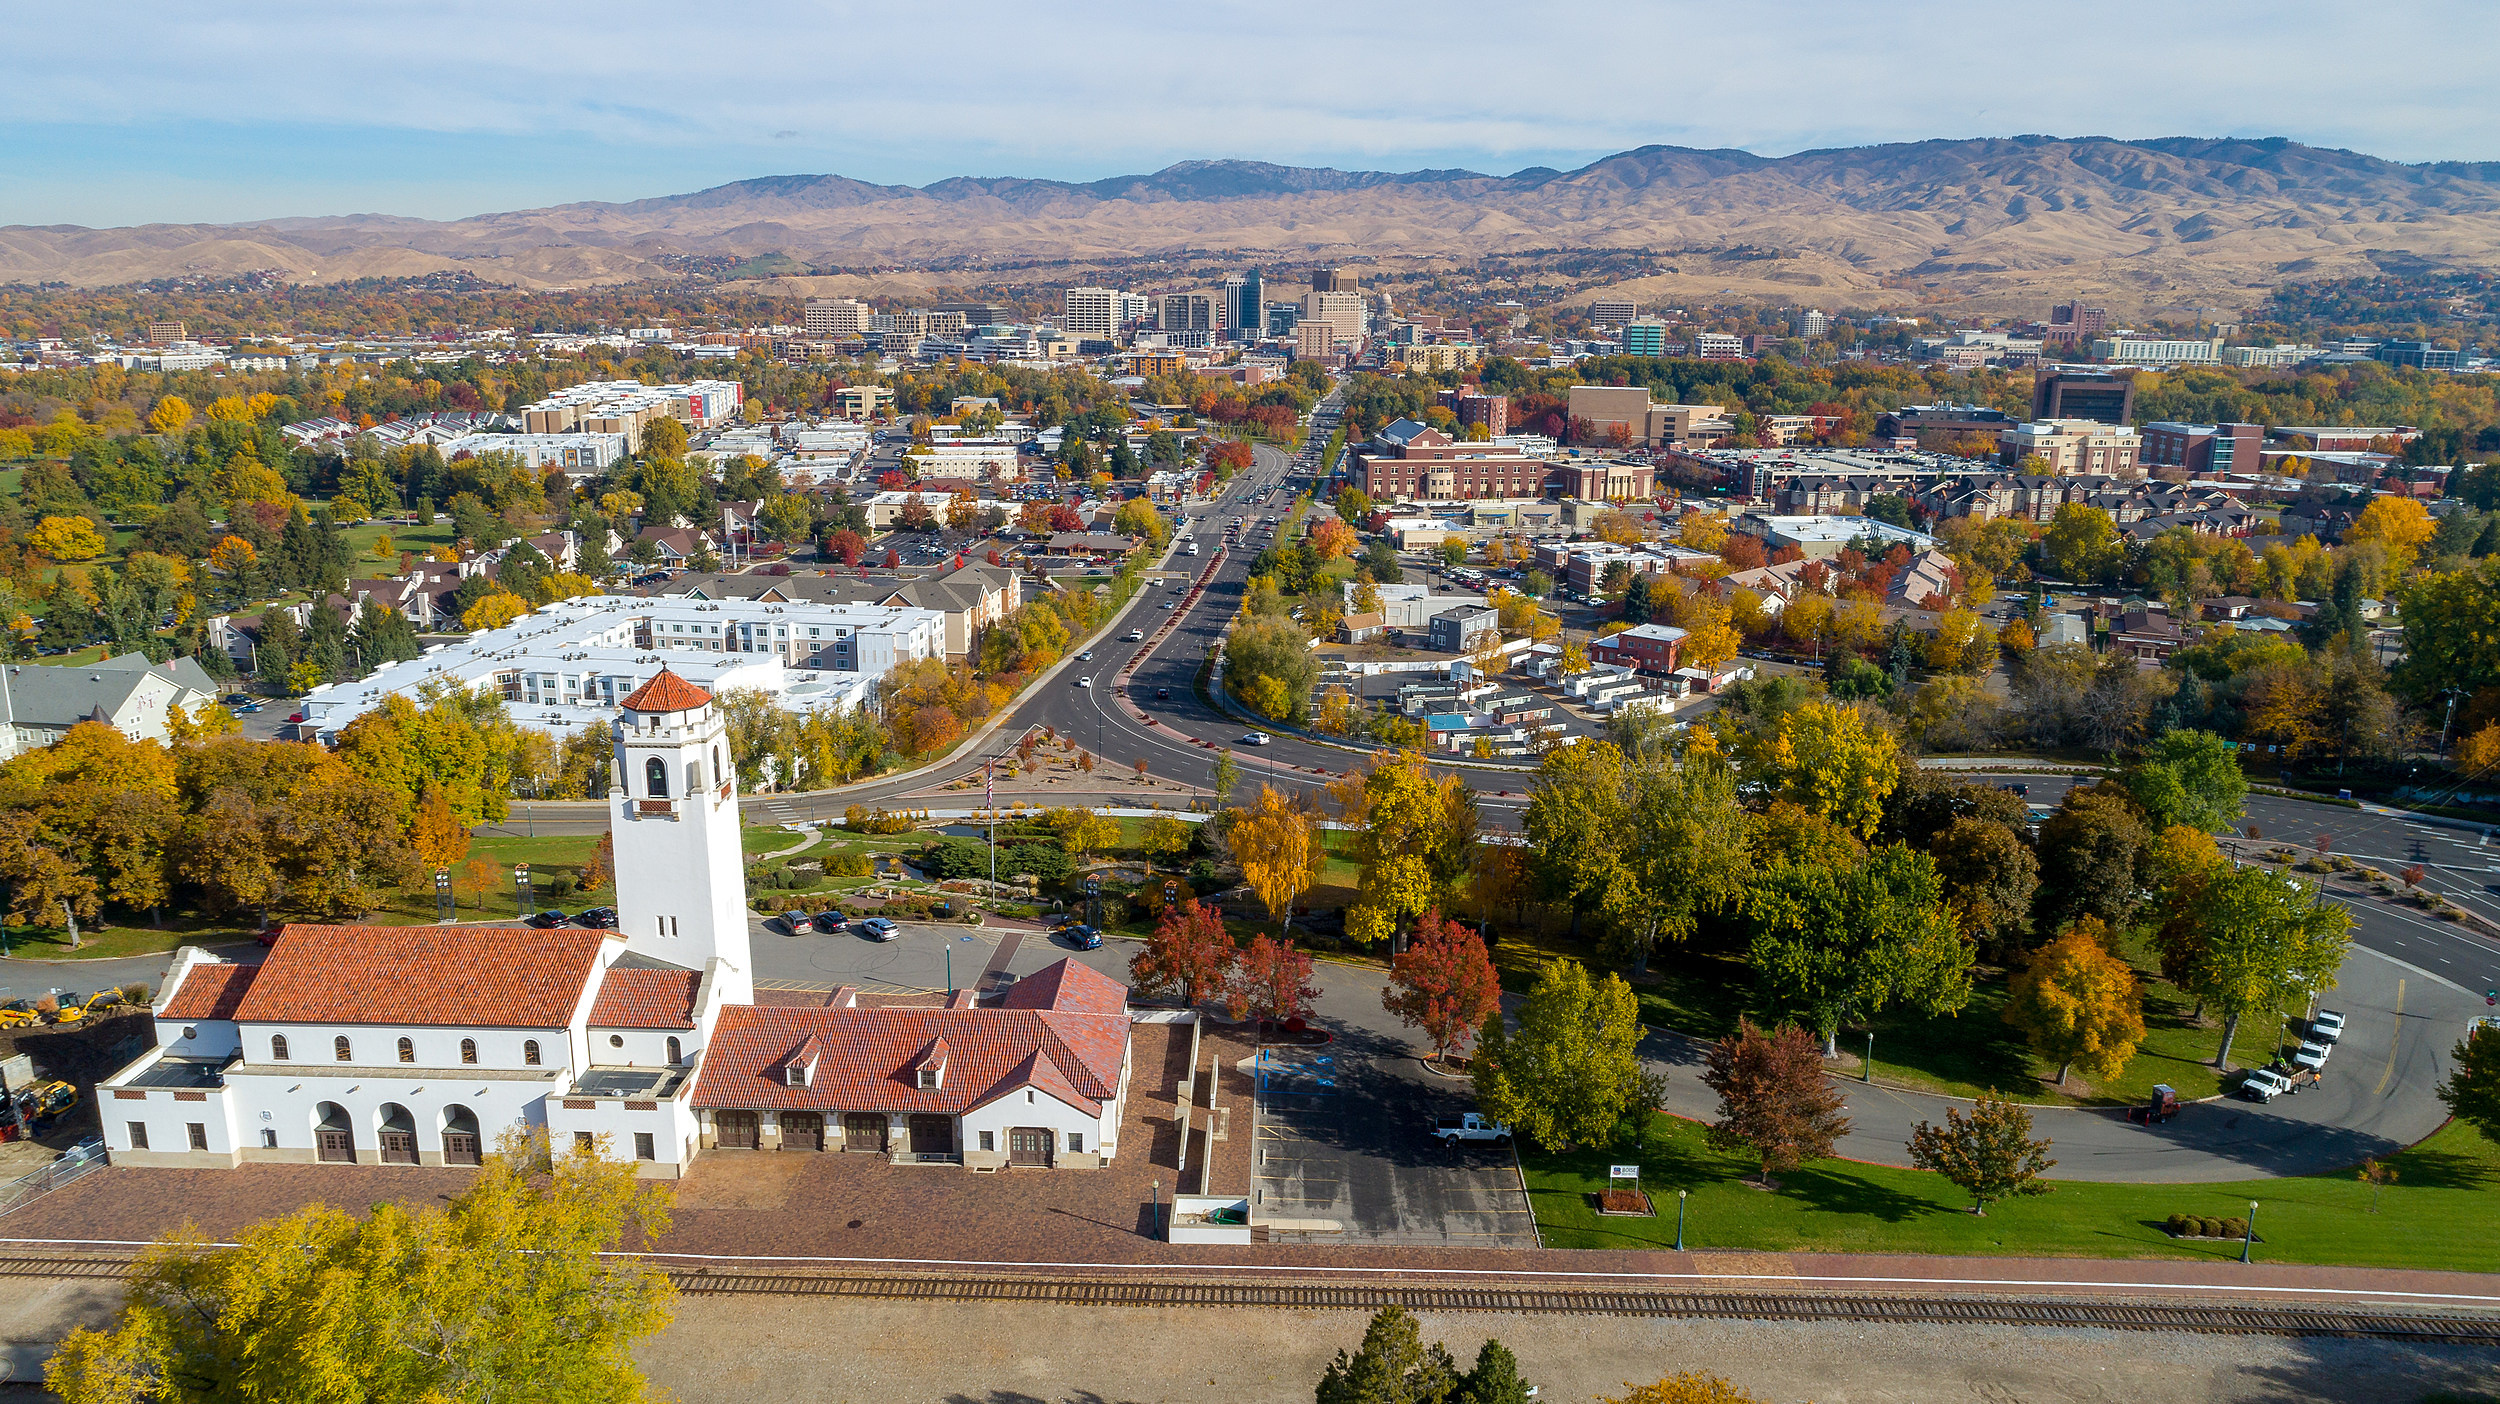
(523, 568)
(275, 652)
(325, 643)
(384, 636)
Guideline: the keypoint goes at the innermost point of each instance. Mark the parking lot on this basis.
(1344, 1152)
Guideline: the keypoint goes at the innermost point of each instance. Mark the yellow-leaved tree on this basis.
(1418, 838)
(2079, 1005)
(1826, 759)
(511, 1281)
(171, 416)
(1278, 847)
(67, 539)
(494, 611)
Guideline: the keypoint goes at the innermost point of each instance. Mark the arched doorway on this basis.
(334, 1135)
(461, 1145)
(396, 1131)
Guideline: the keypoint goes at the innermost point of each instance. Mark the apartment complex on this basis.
(2075, 446)
(826, 317)
(626, 406)
(1091, 311)
(2203, 448)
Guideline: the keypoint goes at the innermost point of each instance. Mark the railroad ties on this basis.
(2224, 1318)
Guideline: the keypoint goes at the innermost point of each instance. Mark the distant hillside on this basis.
(2176, 221)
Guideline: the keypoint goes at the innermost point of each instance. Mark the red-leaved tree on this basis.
(893, 558)
(1773, 1097)
(846, 546)
(1271, 980)
(1444, 984)
(1189, 951)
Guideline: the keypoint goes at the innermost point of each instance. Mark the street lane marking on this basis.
(2394, 1043)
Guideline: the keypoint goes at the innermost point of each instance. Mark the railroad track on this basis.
(2201, 1317)
(2207, 1318)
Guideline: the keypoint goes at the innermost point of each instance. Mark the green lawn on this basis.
(2441, 1213)
(1702, 993)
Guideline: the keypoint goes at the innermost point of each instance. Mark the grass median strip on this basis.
(2441, 1212)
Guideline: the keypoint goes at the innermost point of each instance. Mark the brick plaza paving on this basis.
(770, 1209)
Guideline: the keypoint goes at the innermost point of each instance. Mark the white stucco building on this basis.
(419, 1045)
(566, 665)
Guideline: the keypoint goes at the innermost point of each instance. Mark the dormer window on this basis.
(931, 1070)
(795, 1075)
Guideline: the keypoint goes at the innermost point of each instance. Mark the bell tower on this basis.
(681, 888)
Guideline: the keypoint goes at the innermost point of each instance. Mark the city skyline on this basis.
(266, 112)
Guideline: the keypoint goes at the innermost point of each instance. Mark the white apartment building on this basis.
(625, 406)
(420, 1045)
(2135, 351)
(1092, 312)
(835, 317)
(579, 455)
(569, 664)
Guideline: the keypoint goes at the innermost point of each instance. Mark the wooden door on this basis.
(399, 1147)
(803, 1131)
(863, 1131)
(460, 1148)
(737, 1129)
(336, 1144)
(933, 1135)
(1030, 1145)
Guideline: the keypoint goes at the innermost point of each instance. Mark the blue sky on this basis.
(252, 109)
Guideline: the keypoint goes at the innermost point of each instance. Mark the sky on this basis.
(258, 109)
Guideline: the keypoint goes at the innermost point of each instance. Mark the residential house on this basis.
(38, 704)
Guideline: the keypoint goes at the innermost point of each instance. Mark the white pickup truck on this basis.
(1470, 1127)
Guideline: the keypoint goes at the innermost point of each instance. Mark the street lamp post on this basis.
(1681, 1196)
(1869, 1069)
(2250, 1236)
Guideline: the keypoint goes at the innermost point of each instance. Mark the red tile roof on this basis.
(1070, 985)
(210, 992)
(432, 976)
(868, 1059)
(636, 997)
(666, 692)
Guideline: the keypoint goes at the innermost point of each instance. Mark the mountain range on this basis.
(2211, 223)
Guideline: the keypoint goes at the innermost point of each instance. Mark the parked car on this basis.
(2311, 1056)
(2327, 1027)
(829, 921)
(1084, 938)
(2264, 1085)
(1472, 1126)
(877, 929)
(798, 924)
(1256, 738)
(547, 920)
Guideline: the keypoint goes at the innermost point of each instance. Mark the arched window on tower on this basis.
(655, 775)
(717, 772)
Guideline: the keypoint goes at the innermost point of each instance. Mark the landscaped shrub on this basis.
(851, 863)
(860, 819)
(1047, 861)
(2234, 1228)
(2177, 1224)
(2209, 1228)
(955, 858)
